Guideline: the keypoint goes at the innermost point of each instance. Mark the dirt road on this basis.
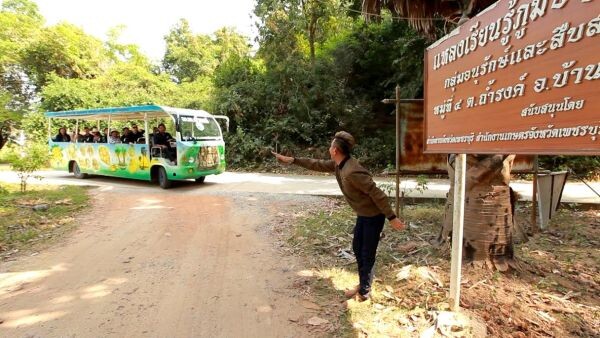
(153, 263)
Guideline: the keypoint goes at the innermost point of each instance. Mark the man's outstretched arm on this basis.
(316, 165)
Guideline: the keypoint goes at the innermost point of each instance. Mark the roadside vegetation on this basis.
(32, 219)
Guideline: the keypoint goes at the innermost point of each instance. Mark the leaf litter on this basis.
(556, 295)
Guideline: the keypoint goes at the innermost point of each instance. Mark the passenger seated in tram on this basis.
(62, 135)
(87, 137)
(136, 133)
(104, 136)
(114, 137)
(97, 137)
(127, 137)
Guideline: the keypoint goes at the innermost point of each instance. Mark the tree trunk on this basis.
(489, 211)
(4, 134)
(312, 32)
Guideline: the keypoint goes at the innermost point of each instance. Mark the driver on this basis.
(161, 139)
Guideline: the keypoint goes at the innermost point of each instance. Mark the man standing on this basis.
(369, 202)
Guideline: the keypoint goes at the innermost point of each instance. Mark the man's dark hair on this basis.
(344, 141)
(341, 145)
(162, 124)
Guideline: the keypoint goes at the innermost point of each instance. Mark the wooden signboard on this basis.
(522, 77)
(414, 161)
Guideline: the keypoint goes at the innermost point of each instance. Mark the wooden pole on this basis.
(398, 161)
(534, 225)
(460, 164)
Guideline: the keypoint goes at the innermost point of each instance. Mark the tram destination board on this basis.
(522, 77)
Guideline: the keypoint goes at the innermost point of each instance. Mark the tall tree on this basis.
(302, 22)
(188, 56)
(5, 118)
(120, 52)
(21, 23)
(66, 51)
(228, 43)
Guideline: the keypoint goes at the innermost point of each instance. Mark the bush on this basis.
(587, 167)
(376, 152)
(28, 159)
(5, 153)
(244, 150)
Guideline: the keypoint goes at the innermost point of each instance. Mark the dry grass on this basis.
(22, 228)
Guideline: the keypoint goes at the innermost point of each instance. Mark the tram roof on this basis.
(126, 113)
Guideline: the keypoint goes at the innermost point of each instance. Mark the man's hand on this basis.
(397, 224)
(283, 159)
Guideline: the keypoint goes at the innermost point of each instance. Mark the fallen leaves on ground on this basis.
(556, 294)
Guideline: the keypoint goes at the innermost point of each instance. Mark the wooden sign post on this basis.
(460, 165)
(519, 78)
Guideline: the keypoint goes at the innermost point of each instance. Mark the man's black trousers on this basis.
(366, 238)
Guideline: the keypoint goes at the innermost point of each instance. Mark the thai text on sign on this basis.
(521, 77)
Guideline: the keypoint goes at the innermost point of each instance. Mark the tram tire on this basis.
(163, 179)
(77, 171)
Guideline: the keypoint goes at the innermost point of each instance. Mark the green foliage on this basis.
(22, 7)
(35, 126)
(21, 23)
(229, 44)
(582, 166)
(131, 84)
(389, 188)
(189, 56)
(26, 160)
(124, 84)
(244, 148)
(119, 52)
(5, 113)
(67, 94)
(319, 71)
(377, 150)
(65, 50)
(197, 94)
